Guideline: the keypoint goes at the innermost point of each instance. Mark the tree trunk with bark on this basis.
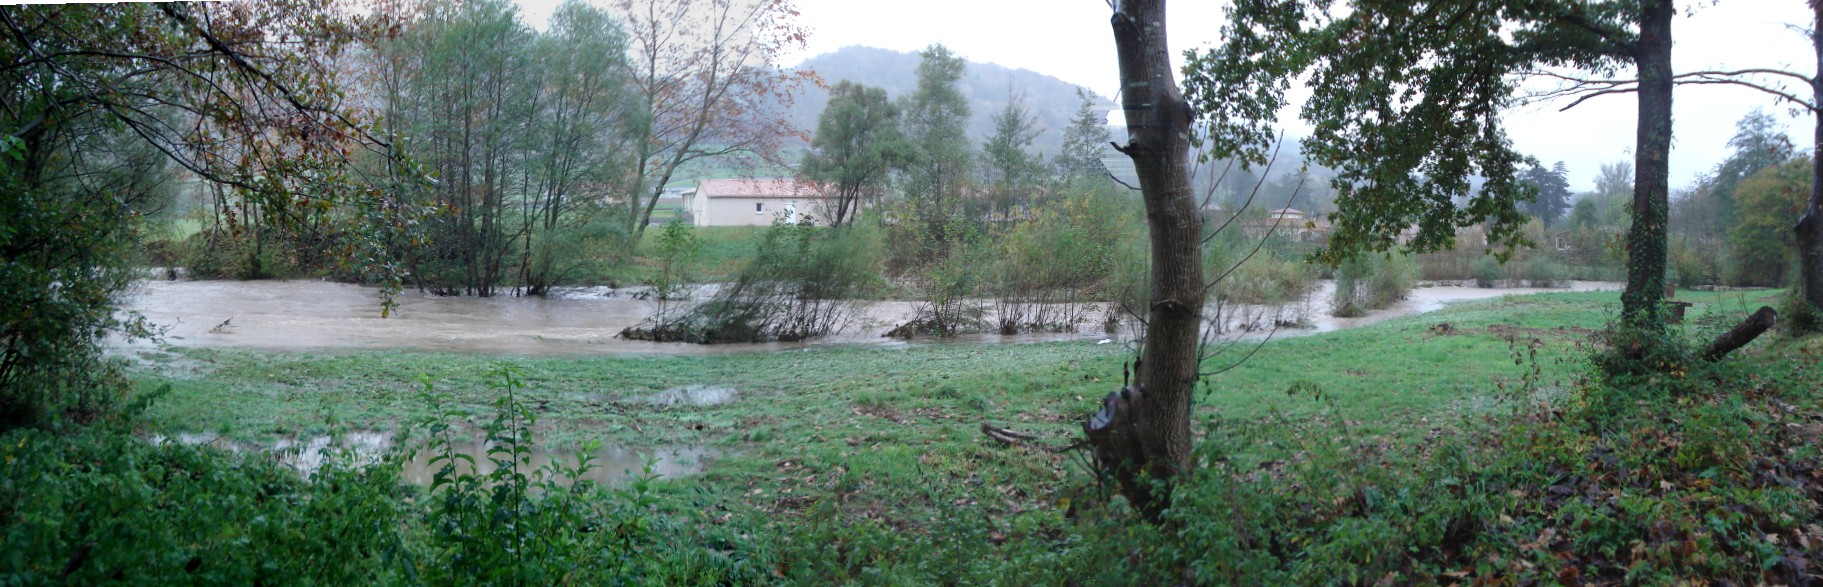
(1810, 226)
(1142, 435)
(1642, 302)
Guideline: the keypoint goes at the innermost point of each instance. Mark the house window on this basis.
(759, 207)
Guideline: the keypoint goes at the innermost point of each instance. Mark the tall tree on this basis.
(578, 140)
(936, 122)
(1406, 103)
(1809, 226)
(1615, 180)
(1759, 142)
(705, 72)
(99, 100)
(470, 112)
(1143, 433)
(1083, 141)
(857, 145)
(1763, 245)
(1702, 219)
(1010, 170)
(1551, 187)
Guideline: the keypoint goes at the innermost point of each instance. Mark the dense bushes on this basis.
(1053, 268)
(101, 505)
(67, 241)
(1257, 285)
(1045, 272)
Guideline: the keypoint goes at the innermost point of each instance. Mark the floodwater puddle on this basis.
(1421, 300)
(608, 466)
(693, 395)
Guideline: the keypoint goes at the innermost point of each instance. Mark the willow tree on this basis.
(581, 108)
(1406, 104)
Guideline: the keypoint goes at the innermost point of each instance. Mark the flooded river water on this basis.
(320, 315)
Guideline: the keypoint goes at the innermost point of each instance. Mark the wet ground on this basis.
(305, 315)
(320, 315)
(607, 466)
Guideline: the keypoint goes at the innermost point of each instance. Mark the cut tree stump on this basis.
(1743, 333)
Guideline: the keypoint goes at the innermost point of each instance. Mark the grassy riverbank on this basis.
(1426, 449)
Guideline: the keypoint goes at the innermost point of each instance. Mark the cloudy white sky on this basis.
(1071, 40)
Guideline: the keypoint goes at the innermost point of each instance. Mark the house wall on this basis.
(734, 211)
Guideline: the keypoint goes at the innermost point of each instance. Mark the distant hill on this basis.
(985, 85)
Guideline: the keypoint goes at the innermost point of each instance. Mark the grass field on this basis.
(876, 449)
(1387, 373)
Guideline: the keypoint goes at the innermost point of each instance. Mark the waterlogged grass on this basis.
(865, 463)
(1386, 374)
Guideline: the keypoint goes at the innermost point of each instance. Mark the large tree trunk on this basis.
(1810, 225)
(1154, 417)
(1641, 302)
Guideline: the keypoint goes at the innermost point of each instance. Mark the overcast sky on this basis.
(1071, 40)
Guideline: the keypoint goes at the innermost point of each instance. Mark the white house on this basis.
(751, 201)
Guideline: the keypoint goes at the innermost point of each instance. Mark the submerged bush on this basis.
(1487, 271)
(1372, 281)
(1052, 268)
(804, 283)
(1541, 271)
(950, 291)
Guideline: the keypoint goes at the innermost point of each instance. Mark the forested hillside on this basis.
(985, 85)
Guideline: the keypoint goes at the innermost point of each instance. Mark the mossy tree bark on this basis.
(1643, 300)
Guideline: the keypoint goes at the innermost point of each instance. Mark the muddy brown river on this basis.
(326, 316)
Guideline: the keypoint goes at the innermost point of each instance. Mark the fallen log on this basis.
(1016, 438)
(1743, 333)
(1005, 436)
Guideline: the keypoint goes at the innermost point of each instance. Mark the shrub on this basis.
(1487, 271)
(67, 240)
(1051, 267)
(1799, 317)
(1372, 281)
(100, 505)
(950, 291)
(1695, 264)
(677, 248)
(804, 284)
(1541, 271)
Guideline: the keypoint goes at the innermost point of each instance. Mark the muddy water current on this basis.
(324, 316)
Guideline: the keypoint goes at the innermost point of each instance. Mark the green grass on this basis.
(866, 464)
(725, 251)
(1386, 375)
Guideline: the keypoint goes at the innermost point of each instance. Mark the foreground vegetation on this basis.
(1447, 447)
